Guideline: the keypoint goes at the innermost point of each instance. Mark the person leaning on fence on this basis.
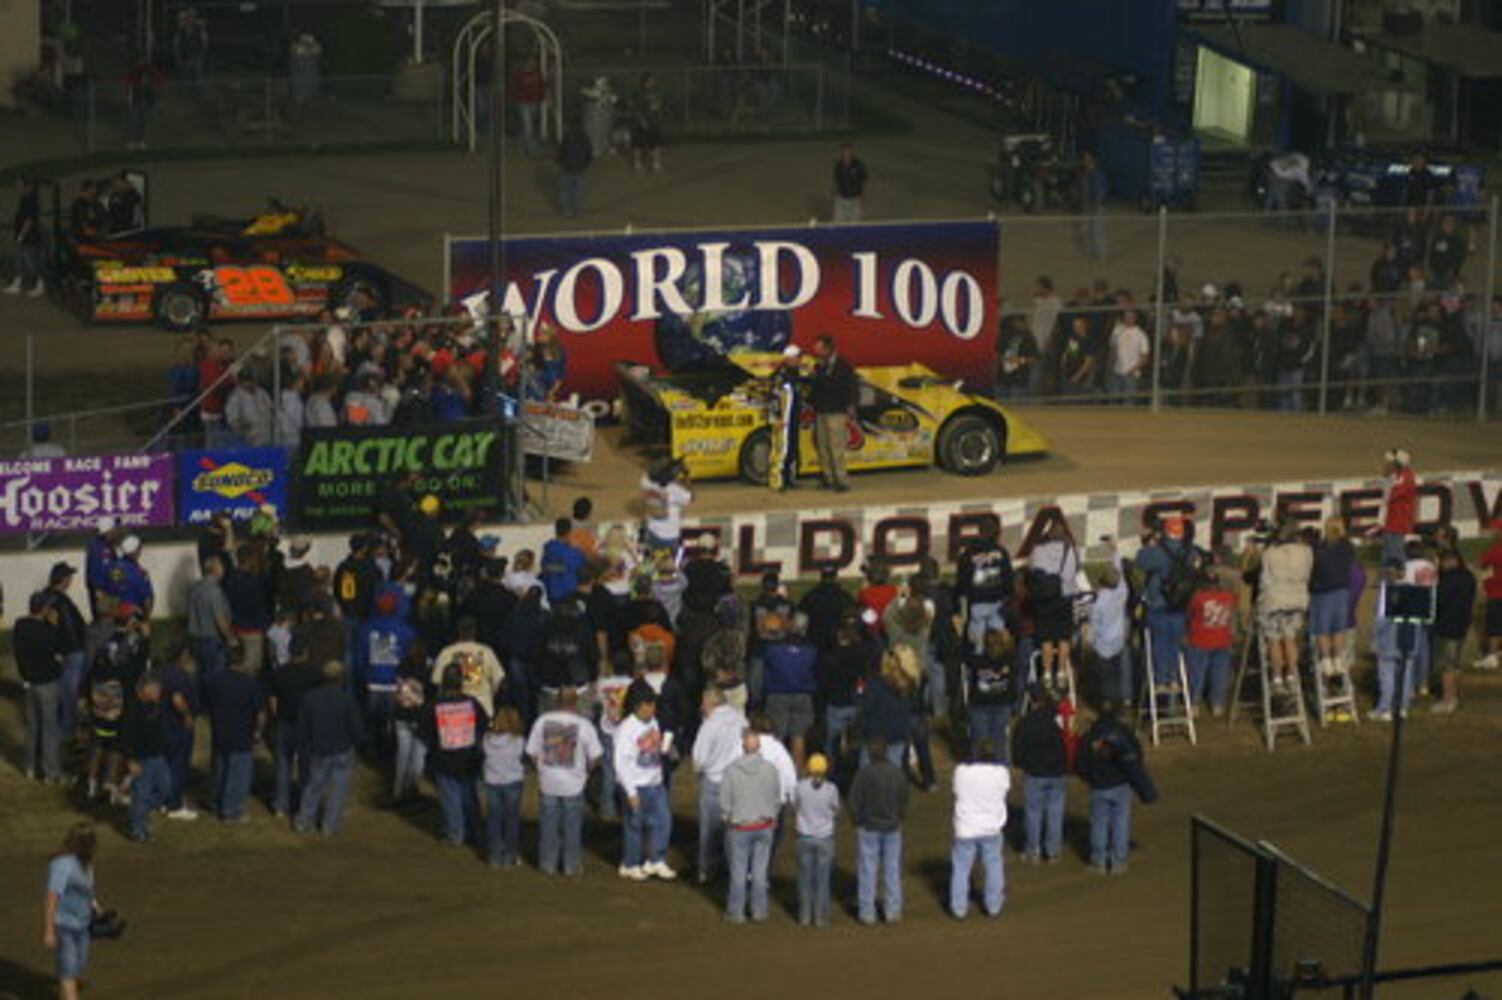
(26, 230)
(850, 177)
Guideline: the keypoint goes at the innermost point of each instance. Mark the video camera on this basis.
(1408, 603)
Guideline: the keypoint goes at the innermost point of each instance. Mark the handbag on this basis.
(107, 924)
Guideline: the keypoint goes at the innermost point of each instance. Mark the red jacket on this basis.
(1210, 614)
(529, 87)
(1491, 560)
(1402, 504)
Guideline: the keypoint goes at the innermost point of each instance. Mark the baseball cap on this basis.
(131, 545)
(792, 351)
(60, 571)
(489, 543)
(818, 764)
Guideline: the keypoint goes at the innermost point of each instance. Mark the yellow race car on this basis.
(717, 420)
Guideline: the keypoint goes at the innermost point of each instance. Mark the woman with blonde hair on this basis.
(1329, 603)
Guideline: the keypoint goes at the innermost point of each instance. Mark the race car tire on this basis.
(180, 307)
(343, 293)
(969, 445)
(756, 457)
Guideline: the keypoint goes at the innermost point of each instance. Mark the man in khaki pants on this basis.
(832, 395)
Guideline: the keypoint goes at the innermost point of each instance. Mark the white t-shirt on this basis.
(787, 772)
(671, 501)
(1129, 348)
(638, 755)
(563, 744)
(611, 692)
(980, 800)
(503, 759)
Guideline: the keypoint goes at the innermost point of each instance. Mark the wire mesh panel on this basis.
(1223, 921)
(1318, 929)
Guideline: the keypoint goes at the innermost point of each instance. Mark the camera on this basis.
(1263, 533)
(1408, 603)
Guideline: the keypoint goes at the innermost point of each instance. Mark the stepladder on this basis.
(1334, 691)
(1282, 706)
(1165, 708)
(1060, 683)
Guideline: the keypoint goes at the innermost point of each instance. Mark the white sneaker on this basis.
(633, 873)
(659, 869)
(183, 813)
(1487, 662)
(14, 288)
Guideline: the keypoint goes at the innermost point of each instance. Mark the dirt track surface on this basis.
(1093, 450)
(385, 911)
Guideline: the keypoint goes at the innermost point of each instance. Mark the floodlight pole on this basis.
(1407, 640)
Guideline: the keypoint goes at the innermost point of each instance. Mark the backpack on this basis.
(1181, 580)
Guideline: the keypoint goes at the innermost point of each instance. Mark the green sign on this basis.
(341, 471)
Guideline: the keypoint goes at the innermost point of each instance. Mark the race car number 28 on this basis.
(253, 286)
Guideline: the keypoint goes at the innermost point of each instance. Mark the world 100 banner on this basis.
(889, 294)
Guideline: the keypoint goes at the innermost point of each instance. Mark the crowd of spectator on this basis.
(1408, 339)
(403, 372)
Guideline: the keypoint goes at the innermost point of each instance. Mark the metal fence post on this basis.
(1158, 317)
(93, 114)
(276, 385)
(30, 393)
(1489, 292)
(1324, 349)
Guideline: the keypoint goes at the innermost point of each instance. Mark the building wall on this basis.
(20, 43)
(1135, 36)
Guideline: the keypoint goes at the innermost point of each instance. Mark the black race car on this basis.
(276, 265)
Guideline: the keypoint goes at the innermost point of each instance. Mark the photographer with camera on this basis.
(1282, 605)
(1171, 565)
(1400, 630)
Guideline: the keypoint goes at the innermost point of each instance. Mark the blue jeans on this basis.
(148, 792)
(711, 828)
(1110, 825)
(570, 194)
(75, 665)
(560, 819)
(1213, 665)
(1124, 388)
(380, 706)
(411, 755)
(179, 754)
(291, 767)
(983, 617)
(962, 860)
(609, 804)
(750, 854)
(72, 954)
(1394, 549)
(1043, 815)
(210, 653)
(503, 823)
(328, 786)
(1291, 400)
(837, 721)
(648, 826)
(1116, 675)
(1165, 631)
(989, 723)
(529, 113)
(815, 871)
(229, 783)
(460, 804)
(878, 853)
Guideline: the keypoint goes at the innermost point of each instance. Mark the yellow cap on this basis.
(429, 504)
(818, 764)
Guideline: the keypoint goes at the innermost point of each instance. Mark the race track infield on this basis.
(386, 911)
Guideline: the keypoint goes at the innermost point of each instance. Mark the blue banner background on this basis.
(206, 480)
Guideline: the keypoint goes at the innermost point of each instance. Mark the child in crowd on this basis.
(504, 775)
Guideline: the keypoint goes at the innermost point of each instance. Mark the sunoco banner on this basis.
(236, 481)
(341, 471)
(65, 494)
(887, 293)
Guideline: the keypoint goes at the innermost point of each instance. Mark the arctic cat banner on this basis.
(889, 294)
(341, 472)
